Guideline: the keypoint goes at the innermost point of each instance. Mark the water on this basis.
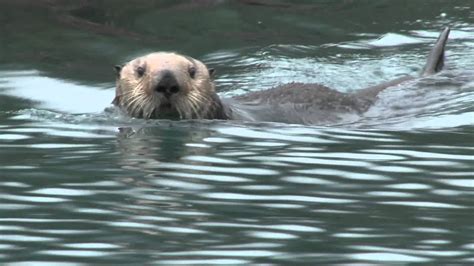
(83, 186)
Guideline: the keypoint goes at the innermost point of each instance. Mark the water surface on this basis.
(83, 186)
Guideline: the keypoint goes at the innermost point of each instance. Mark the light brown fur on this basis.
(196, 98)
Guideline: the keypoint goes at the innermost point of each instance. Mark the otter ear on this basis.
(212, 72)
(118, 69)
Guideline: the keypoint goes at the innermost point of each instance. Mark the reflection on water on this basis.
(237, 194)
(83, 186)
(52, 93)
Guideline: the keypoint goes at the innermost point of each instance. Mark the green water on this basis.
(80, 186)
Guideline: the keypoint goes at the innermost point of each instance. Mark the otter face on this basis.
(165, 85)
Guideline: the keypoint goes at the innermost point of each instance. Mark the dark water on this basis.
(82, 186)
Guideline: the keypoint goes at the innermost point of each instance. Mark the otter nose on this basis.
(168, 84)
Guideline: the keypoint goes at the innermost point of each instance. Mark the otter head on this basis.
(166, 85)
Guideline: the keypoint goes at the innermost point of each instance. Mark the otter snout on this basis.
(167, 84)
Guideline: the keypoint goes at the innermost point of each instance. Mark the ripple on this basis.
(468, 246)
(213, 177)
(260, 187)
(95, 211)
(210, 159)
(218, 140)
(424, 252)
(435, 242)
(430, 230)
(296, 228)
(283, 227)
(360, 235)
(11, 228)
(396, 169)
(236, 153)
(282, 206)
(346, 155)
(19, 167)
(436, 163)
(391, 194)
(393, 39)
(132, 225)
(352, 175)
(158, 218)
(80, 131)
(352, 137)
(69, 231)
(238, 196)
(271, 235)
(188, 213)
(266, 144)
(43, 263)
(27, 238)
(181, 184)
(13, 137)
(424, 204)
(223, 224)
(76, 253)
(259, 134)
(466, 183)
(60, 146)
(198, 145)
(202, 262)
(91, 245)
(422, 154)
(62, 192)
(14, 206)
(33, 199)
(307, 180)
(180, 230)
(312, 161)
(238, 170)
(387, 257)
(410, 186)
(35, 220)
(6, 246)
(101, 184)
(252, 253)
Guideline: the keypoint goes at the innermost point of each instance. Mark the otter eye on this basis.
(140, 71)
(192, 72)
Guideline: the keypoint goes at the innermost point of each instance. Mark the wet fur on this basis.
(289, 103)
(196, 100)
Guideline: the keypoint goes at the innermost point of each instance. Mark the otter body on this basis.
(172, 86)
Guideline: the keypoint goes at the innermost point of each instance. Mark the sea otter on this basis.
(167, 85)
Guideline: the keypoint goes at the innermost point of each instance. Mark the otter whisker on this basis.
(179, 108)
(149, 107)
(125, 95)
(134, 104)
(193, 105)
(182, 107)
(202, 102)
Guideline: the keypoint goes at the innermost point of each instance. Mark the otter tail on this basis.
(435, 61)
